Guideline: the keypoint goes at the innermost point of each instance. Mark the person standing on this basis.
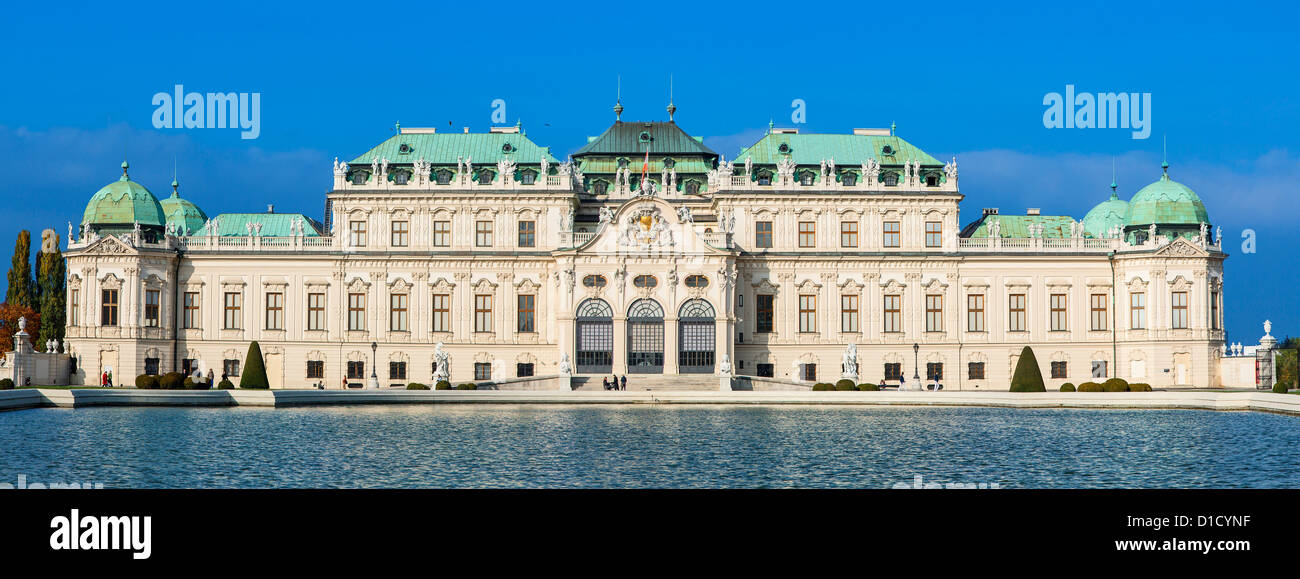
(624, 386)
(605, 383)
(902, 383)
(103, 378)
(110, 378)
(211, 375)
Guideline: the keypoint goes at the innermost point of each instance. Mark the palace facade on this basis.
(646, 252)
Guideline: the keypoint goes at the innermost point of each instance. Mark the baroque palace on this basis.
(807, 257)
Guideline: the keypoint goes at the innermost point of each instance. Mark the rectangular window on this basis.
(807, 313)
(1060, 317)
(809, 372)
(1099, 369)
(1097, 308)
(441, 312)
(316, 311)
(1059, 370)
(357, 232)
(356, 370)
(233, 308)
(190, 320)
(765, 313)
(807, 234)
(442, 234)
(893, 314)
(975, 370)
(1137, 311)
(74, 315)
(523, 369)
(934, 234)
(763, 234)
(397, 312)
(893, 370)
(483, 233)
(356, 312)
(1016, 313)
(1179, 319)
(151, 366)
(1214, 310)
(151, 308)
(108, 308)
(401, 231)
(483, 313)
(933, 371)
(482, 371)
(848, 234)
(526, 311)
(934, 313)
(316, 369)
(766, 370)
(275, 311)
(891, 230)
(397, 370)
(975, 313)
(527, 234)
(230, 367)
(848, 313)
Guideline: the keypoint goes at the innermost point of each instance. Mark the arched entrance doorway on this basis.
(645, 337)
(594, 337)
(695, 337)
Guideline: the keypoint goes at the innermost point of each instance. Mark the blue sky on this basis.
(958, 79)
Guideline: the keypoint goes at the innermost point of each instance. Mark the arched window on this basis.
(891, 179)
(595, 308)
(401, 177)
(806, 178)
(528, 177)
(697, 281)
(764, 177)
(695, 341)
(692, 187)
(359, 177)
(645, 281)
(485, 177)
(932, 180)
(849, 179)
(443, 176)
(594, 281)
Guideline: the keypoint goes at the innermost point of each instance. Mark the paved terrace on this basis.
(1198, 400)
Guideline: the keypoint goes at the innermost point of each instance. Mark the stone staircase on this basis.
(653, 382)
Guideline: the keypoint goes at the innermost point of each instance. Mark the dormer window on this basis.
(404, 149)
(764, 178)
(506, 148)
(891, 179)
(443, 176)
(644, 137)
(931, 180)
(806, 178)
(783, 148)
(401, 177)
(599, 187)
(887, 150)
(849, 179)
(359, 177)
(485, 177)
(669, 163)
(692, 187)
(528, 177)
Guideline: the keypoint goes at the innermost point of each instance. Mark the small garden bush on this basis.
(1279, 388)
(417, 386)
(1028, 376)
(1115, 385)
(823, 387)
(171, 381)
(200, 385)
(1090, 387)
(188, 383)
(225, 385)
(442, 385)
(6, 384)
(846, 385)
(146, 382)
(1139, 387)
(467, 386)
(1067, 387)
(868, 387)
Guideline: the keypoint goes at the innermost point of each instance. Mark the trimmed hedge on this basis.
(146, 382)
(846, 385)
(171, 381)
(254, 375)
(868, 387)
(417, 386)
(200, 385)
(1115, 385)
(1067, 387)
(1279, 388)
(1139, 387)
(225, 385)
(467, 386)
(6, 384)
(1028, 377)
(823, 387)
(1090, 387)
(442, 385)
(189, 383)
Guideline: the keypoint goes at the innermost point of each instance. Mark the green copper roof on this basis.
(1106, 215)
(592, 165)
(631, 138)
(846, 150)
(124, 202)
(181, 213)
(273, 225)
(444, 149)
(1055, 226)
(1166, 202)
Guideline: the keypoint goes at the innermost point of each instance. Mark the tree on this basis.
(51, 285)
(254, 375)
(20, 273)
(1028, 377)
(9, 315)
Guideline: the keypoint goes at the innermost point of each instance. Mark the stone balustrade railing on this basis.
(743, 183)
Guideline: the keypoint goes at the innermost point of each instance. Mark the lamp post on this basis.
(373, 384)
(916, 366)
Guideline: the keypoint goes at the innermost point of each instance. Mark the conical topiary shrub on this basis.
(254, 375)
(1028, 377)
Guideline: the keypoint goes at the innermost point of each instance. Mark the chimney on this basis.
(990, 210)
(466, 130)
(270, 208)
(1033, 211)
